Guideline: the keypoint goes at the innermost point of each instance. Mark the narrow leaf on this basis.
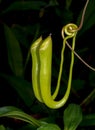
(16, 113)
(25, 5)
(14, 52)
(23, 88)
(89, 19)
(88, 120)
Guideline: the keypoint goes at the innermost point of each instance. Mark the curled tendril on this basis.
(70, 30)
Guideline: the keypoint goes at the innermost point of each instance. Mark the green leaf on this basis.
(78, 84)
(49, 127)
(53, 3)
(27, 127)
(89, 19)
(2, 127)
(21, 34)
(68, 4)
(25, 5)
(23, 88)
(88, 120)
(15, 59)
(13, 112)
(72, 117)
(92, 78)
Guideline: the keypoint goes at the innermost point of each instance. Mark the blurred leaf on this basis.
(49, 127)
(51, 119)
(72, 117)
(13, 112)
(14, 52)
(89, 19)
(78, 84)
(89, 98)
(2, 127)
(23, 88)
(53, 3)
(88, 120)
(21, 34)
(9, 128)
(92, 78)
(27, 127)
(68, 3)
(25, 5)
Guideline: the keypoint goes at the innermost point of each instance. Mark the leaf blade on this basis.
(89, 18)
(23, 88)
(25, 5)
(72, 117)
(15, 58)
(13, 112)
